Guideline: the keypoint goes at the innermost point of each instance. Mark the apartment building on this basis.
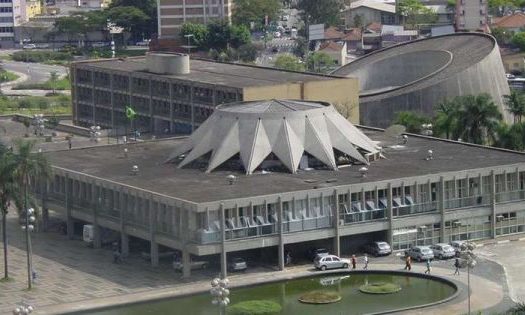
(12, 14)
(471, 15)
(174, 13)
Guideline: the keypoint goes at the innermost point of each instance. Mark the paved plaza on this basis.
(72, 276)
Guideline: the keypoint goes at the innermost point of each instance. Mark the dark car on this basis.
(378, 249)
(318, 252)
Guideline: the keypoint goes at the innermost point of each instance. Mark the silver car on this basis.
(443, 251)
(330, 262)
(237, 264)
(420, 253)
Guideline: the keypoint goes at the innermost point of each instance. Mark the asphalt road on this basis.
(36, 72)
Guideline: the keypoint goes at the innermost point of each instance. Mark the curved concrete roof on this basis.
(417, 75)
(286, 128)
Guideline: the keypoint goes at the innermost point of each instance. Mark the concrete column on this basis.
(151, 118)
(124, 244)
(154, 247)
(337, 238)
(224, 263)
(124, 239)
(493, 203)
(376, 197)
(441, 208)
(192, 108)
(70, 225)
(281, 234)
(154, 253)
(390, 215)
(97, 239)
(186, 263)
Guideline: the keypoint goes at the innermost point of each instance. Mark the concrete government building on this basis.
(261, 178)
(172, 94)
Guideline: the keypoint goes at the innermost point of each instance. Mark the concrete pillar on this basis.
(124, 244)
(390, 215)
(186, 263)
(441, 208)
(224, 263)
(281, 234)
(336, 215)
(154, 253)
(97, 237)
(70, 224)
(493, 203)
(45, 210)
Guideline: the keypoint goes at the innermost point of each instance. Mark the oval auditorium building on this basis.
(417, 75)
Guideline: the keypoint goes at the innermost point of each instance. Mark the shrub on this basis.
(380, 288)
(255, 307)
(320, 297)
(41, 56)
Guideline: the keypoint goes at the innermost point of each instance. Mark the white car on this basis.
(443, 251)
(330, 262)
(29, 46)
(99, 44)
(277, 34)
(143, 42)
(177, 265)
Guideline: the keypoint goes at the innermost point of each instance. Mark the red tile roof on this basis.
(352, 34)
(510, 21)
(333, 33)
(331, 46)
(374, 26)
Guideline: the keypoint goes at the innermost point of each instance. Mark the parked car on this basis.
(143, 42)
(29, 46)
(420, 253)
(162, 255)
(277, 34)
(457, 246)
(237, 264)
(99, 44)
(378, 249)
(177, 265)
(42, 45)
(443, 251)
(330, 262)
(312, 254)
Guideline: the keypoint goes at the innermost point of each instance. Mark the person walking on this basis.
(354, 262)
(428, 267)
(366, 262)
(456, 264)
(408, 263)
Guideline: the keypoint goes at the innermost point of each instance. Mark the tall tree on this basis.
(199, 34)
(288, 62)
(446, 120)
(255, 11)
(321, 12)
(479, 117)
(132, 19)
(319, 62)
(515, 103)
(147, 27)
(29, 165)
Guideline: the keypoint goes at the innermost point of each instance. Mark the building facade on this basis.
(172, 14)
(12, 14)
(179, 103)
(472, 15)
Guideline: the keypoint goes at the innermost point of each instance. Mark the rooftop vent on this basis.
(164, 63)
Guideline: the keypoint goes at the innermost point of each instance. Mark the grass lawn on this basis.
(7, 76)
(30, 105)
(60, 84)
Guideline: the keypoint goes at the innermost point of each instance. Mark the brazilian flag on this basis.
(130, 113)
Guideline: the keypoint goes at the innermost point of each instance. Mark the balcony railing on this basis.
(465, 202)
(364, 216)
(510, 196)
(415, 209)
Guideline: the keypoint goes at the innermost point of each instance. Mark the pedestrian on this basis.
(408, 263)
(288, 258)
(456, 264)
(428, 267)
(33, 276)
(354, 262)
(117, 258)
(69, 143)
(366, 262)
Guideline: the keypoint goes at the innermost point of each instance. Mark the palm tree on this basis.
(511, 136)
(29, 165)
(479, 117)
(446, 120)
(515, 103)
(8, 192)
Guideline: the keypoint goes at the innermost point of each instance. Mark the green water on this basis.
(415, 291)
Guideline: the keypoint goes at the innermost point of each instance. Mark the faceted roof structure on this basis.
(286, 128)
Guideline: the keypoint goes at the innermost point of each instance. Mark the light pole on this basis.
(470, 258)
(94, 133)
(27, 225)
(23, 309)
(219, 293)
(39, 124)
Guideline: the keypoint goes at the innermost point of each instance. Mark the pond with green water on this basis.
(414, 291)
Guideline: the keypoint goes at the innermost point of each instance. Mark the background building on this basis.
(472, 15)
(12, 14)
(369, 11)
(174, 13)
(172, 94)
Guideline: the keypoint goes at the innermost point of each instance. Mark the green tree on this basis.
(446, 120)
(515, 103)
(288, 62)
(199, 32)
(321, 12)
(479, 119)
(149, 7)
(319, 62)
(75, 27)
(411, 120)
(358, 21)
(503, 36)
(247, 52)
(415, 13)
(239, 35)
(248, 11)
(132, 19)
(511, 137)
(219, 34)
(53, 79)
(518, 40)
(29, 165)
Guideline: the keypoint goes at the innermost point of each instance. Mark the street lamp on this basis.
(426, 129)
(39, 124)
(23, 309)
(94, 133)
(27, 225)
(468, 255)
(219, 293)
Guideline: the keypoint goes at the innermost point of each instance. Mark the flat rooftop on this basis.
(194, 185)
(210, 72)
